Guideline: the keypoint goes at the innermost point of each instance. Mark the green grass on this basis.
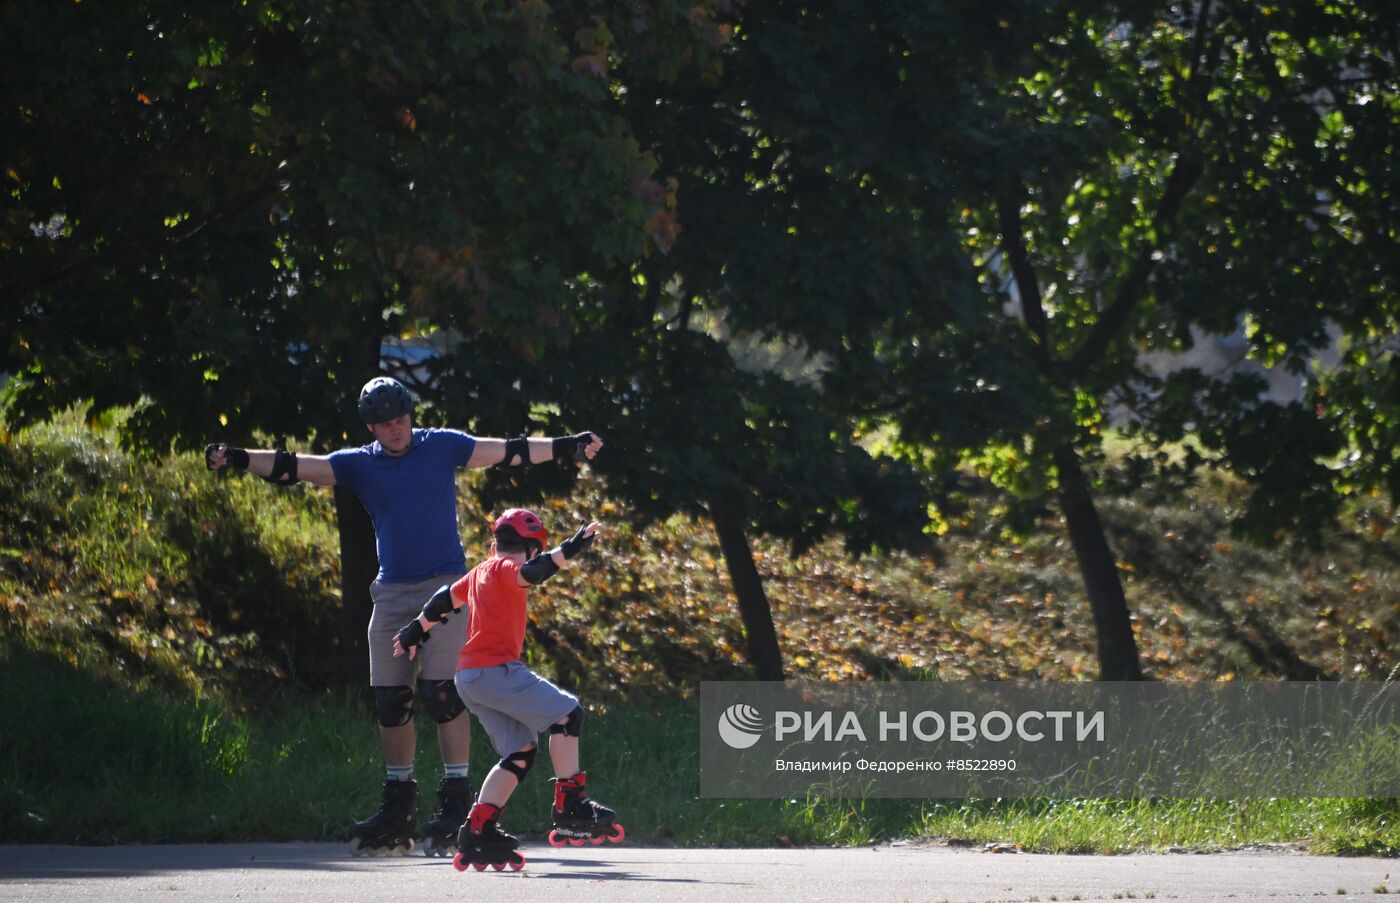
(167, 640)
(98, 763)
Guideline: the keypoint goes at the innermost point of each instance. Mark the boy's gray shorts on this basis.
(395, 604)
(512, 703)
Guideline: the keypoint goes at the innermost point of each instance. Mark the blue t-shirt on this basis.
(412, 499)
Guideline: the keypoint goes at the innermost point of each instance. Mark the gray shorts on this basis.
(512, 703)
(395, 604)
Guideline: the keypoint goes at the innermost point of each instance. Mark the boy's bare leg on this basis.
(500, 784)
(563, 755)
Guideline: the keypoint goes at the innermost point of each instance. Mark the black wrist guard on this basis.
(517, 453)
(576, 544)
(237, 458)
(571, 446)
(412, 635)
(284, 468)
(440, 605)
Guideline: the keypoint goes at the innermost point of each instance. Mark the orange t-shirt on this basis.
(495, 603)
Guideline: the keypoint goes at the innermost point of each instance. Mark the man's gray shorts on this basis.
(512, 703)
(395, 604)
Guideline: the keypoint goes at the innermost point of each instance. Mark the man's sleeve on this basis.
(462, 446)
(343, 466)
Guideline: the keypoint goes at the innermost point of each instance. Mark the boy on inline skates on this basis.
(513, 703)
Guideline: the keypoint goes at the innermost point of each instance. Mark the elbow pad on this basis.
(539, 569)
(440, 605)
(517, 453)
(284, 469)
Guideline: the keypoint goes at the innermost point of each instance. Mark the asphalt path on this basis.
(315, 872)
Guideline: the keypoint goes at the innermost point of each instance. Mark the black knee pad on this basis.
(571, 727)
(393, 705)
(440, 699)
(519, 763)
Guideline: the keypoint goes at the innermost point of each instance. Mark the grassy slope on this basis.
(153, 607)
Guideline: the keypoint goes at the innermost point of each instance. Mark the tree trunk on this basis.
(359, 563)
(1118, 652)
(762, 638)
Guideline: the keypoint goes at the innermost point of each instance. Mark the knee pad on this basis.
(393, 706)
(571, 727)
(440, 699)
(519, 763)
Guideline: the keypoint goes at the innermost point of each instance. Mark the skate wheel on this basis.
(599, 840)
(479, 866)
(555, 840)
(458, 863)
(498, 866)
(357, 847)
(517, 864)
(618, 835)
(576, 841)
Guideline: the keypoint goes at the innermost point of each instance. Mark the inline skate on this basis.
(482, 843)
(389, 832)
(578, 819)
(454, 801)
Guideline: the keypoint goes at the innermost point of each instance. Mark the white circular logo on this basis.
(740, 726)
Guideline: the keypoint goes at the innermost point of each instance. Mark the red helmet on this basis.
(519, 525)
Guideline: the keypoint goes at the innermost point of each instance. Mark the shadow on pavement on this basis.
(37, 862)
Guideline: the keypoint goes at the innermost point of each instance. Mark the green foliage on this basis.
(978, 219)
(216, 213)
(161, 574)
(244, 600)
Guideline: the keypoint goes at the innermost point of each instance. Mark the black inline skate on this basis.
(578, 819)
(482, 843)
(454, 801)
(389, 832)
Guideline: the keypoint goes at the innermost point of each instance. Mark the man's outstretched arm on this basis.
(275, 466)
(512, 452)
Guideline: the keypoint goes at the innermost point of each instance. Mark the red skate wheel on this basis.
(555, 840)
(458, 863)
(618, 834)
(479, 866)
(576, 841)
(498, 866)
(599, 840)
(517, 866)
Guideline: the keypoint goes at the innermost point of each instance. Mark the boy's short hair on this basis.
(510, 542)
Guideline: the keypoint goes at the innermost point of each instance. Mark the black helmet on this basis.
(384, 398)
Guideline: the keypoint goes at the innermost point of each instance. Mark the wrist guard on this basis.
(284, 468)
(571, 446)
(439, 606)
(412, 635)
(517, 453)
(237, 458)
(576, 544)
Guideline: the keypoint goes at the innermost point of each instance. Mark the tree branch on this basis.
(1186, 170)
(1184, 174)
(1027, 286)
